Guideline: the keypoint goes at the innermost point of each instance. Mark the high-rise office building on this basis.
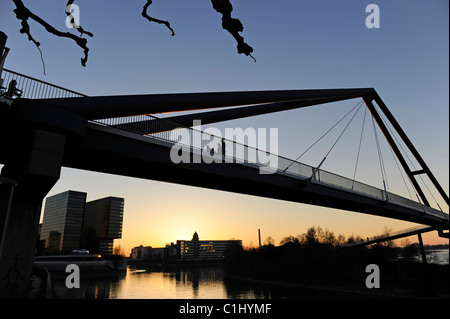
(62, 222)
(102, 224)
(70, 223)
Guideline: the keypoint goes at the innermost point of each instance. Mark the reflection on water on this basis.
(438, 256)
(203, 282)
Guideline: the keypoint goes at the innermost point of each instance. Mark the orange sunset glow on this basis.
(158, 213)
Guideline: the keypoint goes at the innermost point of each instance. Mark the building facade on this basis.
(141, 252)
(203, 250)
(194, 250)
(70, 223)
(102, 224)
(62, 222)
(165, 254)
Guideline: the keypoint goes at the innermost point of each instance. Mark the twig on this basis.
(232, 25)
(23, 14)
(72, 21)
(145, 15)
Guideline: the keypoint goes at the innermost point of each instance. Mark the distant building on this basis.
(70, 223)
(159, 255)
(62, 222)
(102, 224)
(185, 251)
(141, 252)
(203, 250)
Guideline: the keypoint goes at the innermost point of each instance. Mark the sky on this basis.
(311, 44)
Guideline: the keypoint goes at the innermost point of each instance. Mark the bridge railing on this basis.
(355, 186)
(33, 88)
(195, 140)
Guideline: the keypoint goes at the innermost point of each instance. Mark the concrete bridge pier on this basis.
(33, 138)
(35, 166)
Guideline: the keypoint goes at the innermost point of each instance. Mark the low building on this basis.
(185, 251)
(156, 255)
(140, 252)
(203, 250)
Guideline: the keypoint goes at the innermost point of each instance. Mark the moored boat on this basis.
(91, 263)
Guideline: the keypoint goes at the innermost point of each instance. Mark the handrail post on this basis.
(313, 176)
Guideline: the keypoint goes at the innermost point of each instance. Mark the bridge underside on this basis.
(110, 150)
(113, 151)
(38, 137)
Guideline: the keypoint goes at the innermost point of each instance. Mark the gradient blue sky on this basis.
(297, 45)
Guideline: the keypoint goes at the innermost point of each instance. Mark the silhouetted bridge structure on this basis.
(389, 236)
(118, 135)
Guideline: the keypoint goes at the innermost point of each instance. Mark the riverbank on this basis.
(145, 263)
(336, 290)
(319, 271)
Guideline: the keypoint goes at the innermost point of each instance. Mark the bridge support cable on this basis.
(410, 146)
(337, 140)
(320, 138)
(380, 159)
(359, 148)
(397, 163)
(415, 172)
(401, 174)
(419, 172)
(368, 100)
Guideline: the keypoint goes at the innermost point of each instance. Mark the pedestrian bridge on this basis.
(122, 136)
(306, 180)
(44, 127)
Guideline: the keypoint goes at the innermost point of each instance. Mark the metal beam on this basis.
(397, 235)
(118, 152)
(368, 101)
(155, 126)
(100, 107)
(422, 249)
(411, 147)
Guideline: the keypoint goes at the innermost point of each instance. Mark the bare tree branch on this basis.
(232, 25)
(145, 15)
(23, 14)
(72, 21)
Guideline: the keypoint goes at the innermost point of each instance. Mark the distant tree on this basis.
(269, 241)
(289, 239)
(386, 233)
(353, 239)
(118, 250)
(405, 242)
(340, 240)
(410, 252)
(250, 246)
(326, 237)
(224, 7)
(310, 238)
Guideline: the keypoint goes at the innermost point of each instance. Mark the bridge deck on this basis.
(241, 174)
(391, 236)
(127, 152)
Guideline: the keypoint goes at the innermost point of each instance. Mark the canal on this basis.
(193, 282)
(181, 282)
